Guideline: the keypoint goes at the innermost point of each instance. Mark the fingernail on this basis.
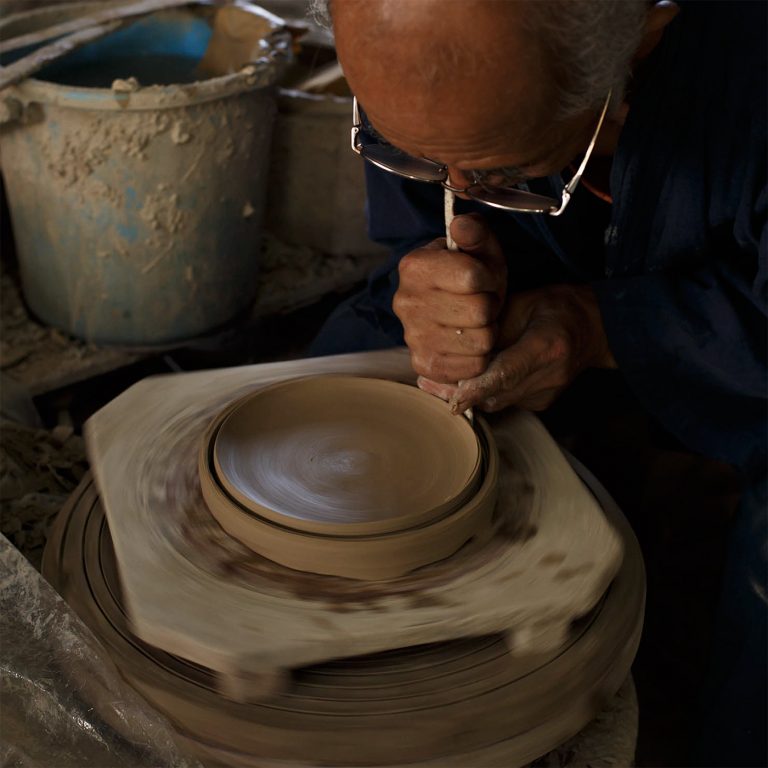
(425, 385)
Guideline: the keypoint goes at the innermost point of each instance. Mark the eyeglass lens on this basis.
(513, 199)
(420, 169)
(413, 167)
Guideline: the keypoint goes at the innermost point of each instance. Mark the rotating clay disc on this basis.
(343, 455)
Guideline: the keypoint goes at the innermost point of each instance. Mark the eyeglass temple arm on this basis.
(573, 183)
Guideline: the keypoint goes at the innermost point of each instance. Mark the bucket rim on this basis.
(264, 72)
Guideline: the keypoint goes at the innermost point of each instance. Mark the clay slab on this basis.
(194, 592)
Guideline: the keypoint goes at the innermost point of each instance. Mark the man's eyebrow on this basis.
(508, 172)
(504, 171)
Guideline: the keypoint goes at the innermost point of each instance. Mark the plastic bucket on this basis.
(310, 152)
(137, 212)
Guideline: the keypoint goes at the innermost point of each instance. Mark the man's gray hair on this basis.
(589, 42)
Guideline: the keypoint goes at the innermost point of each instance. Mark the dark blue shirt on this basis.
(678, 262)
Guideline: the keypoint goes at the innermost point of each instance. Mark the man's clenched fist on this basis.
(449, 302)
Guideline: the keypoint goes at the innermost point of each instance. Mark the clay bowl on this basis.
(346, 455)
(368, 547)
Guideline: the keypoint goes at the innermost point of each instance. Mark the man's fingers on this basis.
(424, 311)
(450, 271)
(451, 340)
(472, 234)
(447, 369)
(443, 391)
(500, 384)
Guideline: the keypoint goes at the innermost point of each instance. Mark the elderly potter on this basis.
(657, 266)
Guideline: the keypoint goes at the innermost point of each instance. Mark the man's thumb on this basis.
(473, 236)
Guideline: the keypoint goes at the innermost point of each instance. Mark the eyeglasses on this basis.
(506, 198)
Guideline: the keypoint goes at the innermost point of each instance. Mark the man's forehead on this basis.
(397, 11)
(462, 24)
(427, 42)
(409, 58)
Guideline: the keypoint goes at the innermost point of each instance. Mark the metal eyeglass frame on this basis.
(505, 198)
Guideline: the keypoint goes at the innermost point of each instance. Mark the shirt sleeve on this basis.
(693, 345)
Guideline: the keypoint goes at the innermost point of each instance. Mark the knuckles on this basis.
(401, 304)
(472, 277)
(480, 309)
(557, 350)
(418, 266)
(410, 267)
(456, 272)
(424, 364)
(415, 338)
(484, 340)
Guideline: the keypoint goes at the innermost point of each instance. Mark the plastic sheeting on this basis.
(62, 700)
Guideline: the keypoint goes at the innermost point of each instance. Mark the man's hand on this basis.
(548, 336)
(449, 302)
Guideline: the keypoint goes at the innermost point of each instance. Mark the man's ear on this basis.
(659, 15)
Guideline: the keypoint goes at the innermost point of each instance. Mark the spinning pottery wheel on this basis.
(492, 655)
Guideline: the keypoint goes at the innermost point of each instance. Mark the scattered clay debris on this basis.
(129, 85)
(43, 358)
(38, 471)
(178, 134)
(293, 276)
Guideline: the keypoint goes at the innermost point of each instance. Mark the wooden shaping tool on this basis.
(449, 200)
(189, 588)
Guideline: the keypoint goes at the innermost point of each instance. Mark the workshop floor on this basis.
(679, 505)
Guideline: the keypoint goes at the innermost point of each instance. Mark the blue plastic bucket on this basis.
(137, 211)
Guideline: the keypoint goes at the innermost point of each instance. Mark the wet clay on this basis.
(346, 455)
(425, 484)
